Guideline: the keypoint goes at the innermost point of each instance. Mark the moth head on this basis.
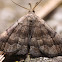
(31, 9)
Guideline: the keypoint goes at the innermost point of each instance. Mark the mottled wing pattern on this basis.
(31, 35)
(15, 39)
(44, 40)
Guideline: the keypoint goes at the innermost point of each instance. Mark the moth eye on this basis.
(30, 20)
(33, 11)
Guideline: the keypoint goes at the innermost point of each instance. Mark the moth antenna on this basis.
(19, 5)
(30, 6)
(36, 5)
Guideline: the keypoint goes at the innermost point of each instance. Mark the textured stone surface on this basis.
(44, 59)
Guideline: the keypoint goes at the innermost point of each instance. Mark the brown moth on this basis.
(30, 34)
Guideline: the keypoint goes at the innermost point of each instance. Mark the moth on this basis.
(30, 34)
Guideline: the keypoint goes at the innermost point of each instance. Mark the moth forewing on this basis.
(30, 34)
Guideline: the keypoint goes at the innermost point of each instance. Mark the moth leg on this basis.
(27, 58)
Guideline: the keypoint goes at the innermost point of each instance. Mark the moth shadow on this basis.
(14, 58)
